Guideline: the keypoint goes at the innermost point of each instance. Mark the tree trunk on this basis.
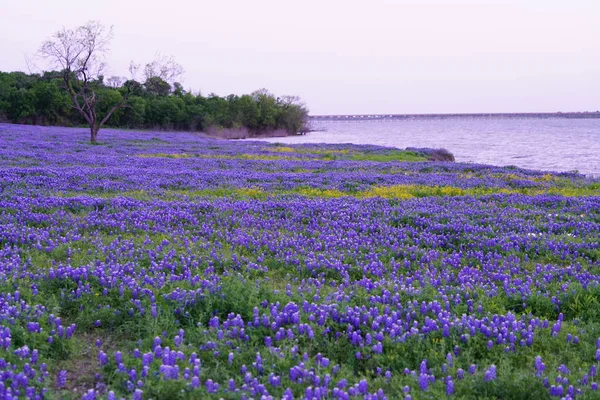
(94, 134)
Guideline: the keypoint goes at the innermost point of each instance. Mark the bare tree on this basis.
(115, 82)
(79, 53)
(163, 67)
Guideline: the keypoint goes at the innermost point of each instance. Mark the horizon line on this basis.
(477, 114)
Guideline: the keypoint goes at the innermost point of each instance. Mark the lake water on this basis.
(552, 144)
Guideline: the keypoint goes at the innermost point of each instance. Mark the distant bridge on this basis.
(372, 117)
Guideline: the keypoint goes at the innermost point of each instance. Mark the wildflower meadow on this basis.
(172, 266)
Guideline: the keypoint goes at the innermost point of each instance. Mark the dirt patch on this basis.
(83, 370)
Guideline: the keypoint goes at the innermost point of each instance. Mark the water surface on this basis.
(553, 144)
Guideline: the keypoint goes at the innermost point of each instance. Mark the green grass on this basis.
(398, 192)
(396, 155)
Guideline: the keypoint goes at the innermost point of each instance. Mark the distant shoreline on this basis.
(363, 117)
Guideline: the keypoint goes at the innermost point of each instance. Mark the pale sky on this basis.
(347, 56)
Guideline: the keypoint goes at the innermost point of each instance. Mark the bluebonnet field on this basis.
(168, 266)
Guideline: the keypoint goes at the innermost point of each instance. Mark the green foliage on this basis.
(394, 155)
(35, 99)
(158, 87)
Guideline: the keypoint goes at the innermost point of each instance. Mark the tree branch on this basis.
(120, 104)
(73, 94)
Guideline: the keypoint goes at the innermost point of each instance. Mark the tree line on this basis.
(76, 92)
(40, 99)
